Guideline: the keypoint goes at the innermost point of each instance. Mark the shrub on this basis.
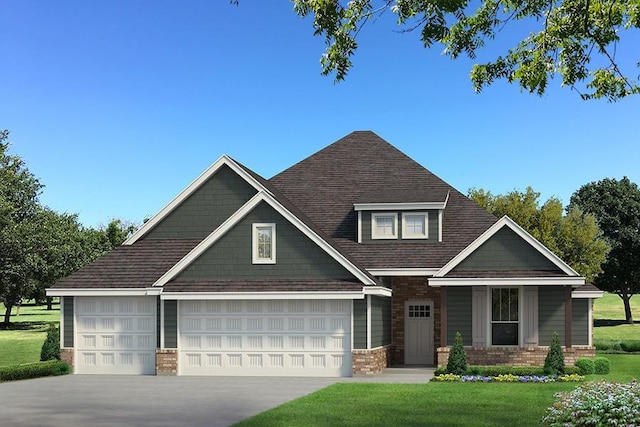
(33, 370)
(51, 347)
(586, 366)
(596, 404)
(601, 365)
(494, 371)
(630, 346)
(457, 362)
(554, 362)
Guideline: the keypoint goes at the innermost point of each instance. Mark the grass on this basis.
(22, 342)
(609, 320)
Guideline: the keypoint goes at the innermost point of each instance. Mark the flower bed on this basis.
(508, 378)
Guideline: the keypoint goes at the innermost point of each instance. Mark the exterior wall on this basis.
(208, 207)
(380, 321)
(520, 356)
(369, 362)
(550, 313)
(432, 228)
(459, 314)
(166, 362)
(411, 289)
(297, 257)
(170, 324)
(360, 324)
(67, 320)
(580, 324)
(66, 355)
(505, 251)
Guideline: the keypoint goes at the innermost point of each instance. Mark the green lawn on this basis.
(609, 320)
(22, 343)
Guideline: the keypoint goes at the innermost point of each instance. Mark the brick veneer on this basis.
(369, 362)
(521, 356)
(166, 362)
(412, 289)
(66, 355)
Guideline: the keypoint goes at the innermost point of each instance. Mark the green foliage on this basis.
(596, 404)
(51, 347)
(601, 365)
(586, 366)
(617, 346)
(457, 362)
(33, 370)
(574, 237)
(575, 40)
(554, 362)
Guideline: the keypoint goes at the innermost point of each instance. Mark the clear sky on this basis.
(118, 105)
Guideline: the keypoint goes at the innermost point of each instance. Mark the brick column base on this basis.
(520, 356)
(166, 362)
(66, 355)
(369, 362)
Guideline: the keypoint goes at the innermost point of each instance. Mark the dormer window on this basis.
(415, 225)
(384, 226)
(264, 243)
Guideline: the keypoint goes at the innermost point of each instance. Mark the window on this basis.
(504, 316)
(414, 225)
(384, 226)
(419, 311)
(264, 243)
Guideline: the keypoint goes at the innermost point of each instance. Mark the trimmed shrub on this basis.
(596, 404)
(457, 362)
(33, 370)
(601, 365)
(51, 347)
(586, 366)
(554, 362)
(630, 346)
(612, 346)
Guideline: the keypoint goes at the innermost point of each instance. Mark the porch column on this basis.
(568, 317)
(443, 316)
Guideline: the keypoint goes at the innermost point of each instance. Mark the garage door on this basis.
(274, 338)
(115, 335)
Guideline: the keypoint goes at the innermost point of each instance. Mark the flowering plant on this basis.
(508, 378)
(447, 377)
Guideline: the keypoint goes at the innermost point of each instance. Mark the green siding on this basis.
(380, 321)
(580, 325)
(550, 314)
(432, 228)
(204, 210)
(506, 251)
(67, 334)
(360, 324)
(459, 317)
(170, 324)
(297, 256)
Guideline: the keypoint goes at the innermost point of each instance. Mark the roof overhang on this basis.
(437, 282)
(102, 292)
(402, 271)
(587, 294)
(260, 295)
(400, 206)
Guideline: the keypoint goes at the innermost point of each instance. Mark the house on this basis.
(349, 261)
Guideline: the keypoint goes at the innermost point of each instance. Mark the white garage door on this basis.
(260, 338)
(115, 335)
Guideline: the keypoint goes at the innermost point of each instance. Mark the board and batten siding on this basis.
(580, 321)
(297, 256)
(432, 226)
(550, 313)
(360, 324)
(380, 321)
(170, 324)
(459, 314)
(67, 316)
(206, 208)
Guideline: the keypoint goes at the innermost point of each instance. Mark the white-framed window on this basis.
(384, 226)
(415, 225)
(264, 243)
(505, 316)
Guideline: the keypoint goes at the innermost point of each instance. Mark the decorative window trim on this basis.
(254, 243)
(490, 320)
(406, 234)
(374, 228)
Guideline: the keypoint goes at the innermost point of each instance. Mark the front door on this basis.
(418, 333)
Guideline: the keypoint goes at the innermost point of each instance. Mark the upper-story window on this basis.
(264, 243)
(415, 225)
(384, 226)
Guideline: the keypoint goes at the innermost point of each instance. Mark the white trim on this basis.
(75, 335)
(374, 228)
(490, 316)
(190, 189)
(508, 222)
(590, 316)
(403, 271)
(368, 321)
(61, 329)
(406, 235)
(255, 243)
(359, 227)
(352, 328)
(587, 294)
(505, 281)
(260, 295)
(400, 206)
(241, 213)
(161, 323)
(377, 291)
(440, 213)
(102, 292)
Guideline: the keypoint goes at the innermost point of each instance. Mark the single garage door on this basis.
(265, 338)
(115, 335)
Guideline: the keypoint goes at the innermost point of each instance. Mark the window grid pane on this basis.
(264, 242)
(415, 224)
(384, 226)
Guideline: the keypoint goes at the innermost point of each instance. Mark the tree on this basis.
(575, 39)
(457, 362)
(574, 237)
(554, 362)
(616, 206)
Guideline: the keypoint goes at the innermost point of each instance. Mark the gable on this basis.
(230, 257)
(206, 208)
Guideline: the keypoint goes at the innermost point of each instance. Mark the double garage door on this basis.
(118, 335)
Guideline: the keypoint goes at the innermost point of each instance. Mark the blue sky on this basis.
(117, 105)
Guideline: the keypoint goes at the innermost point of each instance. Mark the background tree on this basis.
(574, 237)
(575, 39)
(616, 206)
